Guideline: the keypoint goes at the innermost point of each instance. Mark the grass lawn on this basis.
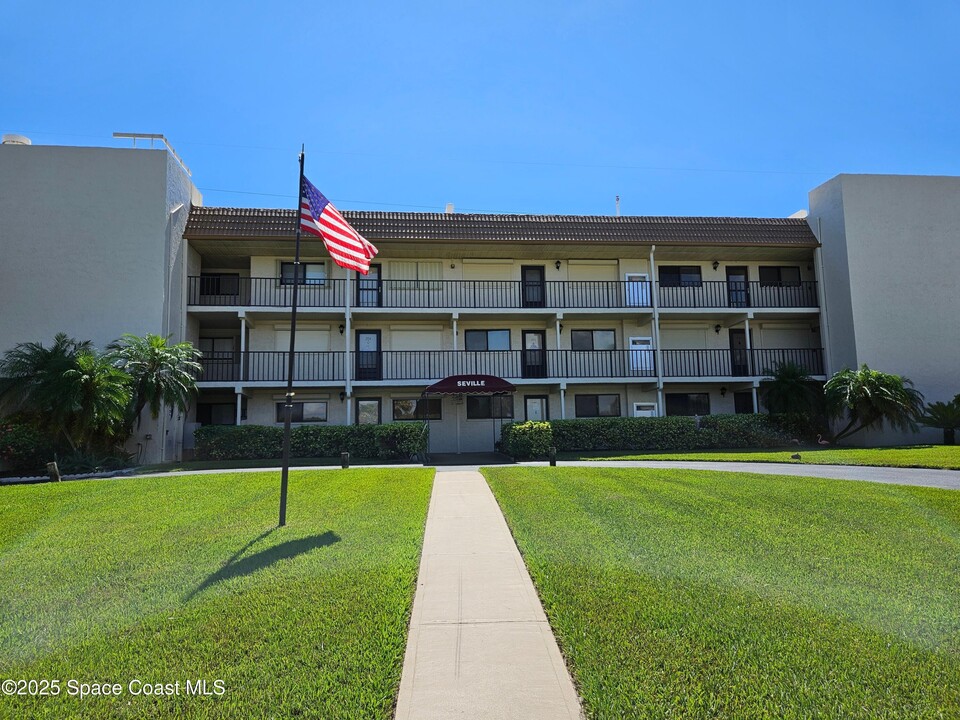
(692, 594)
(945, 457)
(187, 578)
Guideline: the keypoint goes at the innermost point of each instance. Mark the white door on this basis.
(637, 289)
(641, 356)
(536, 407)
(644, 409)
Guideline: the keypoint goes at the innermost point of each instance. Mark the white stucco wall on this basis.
(91, 242)
(891, 250)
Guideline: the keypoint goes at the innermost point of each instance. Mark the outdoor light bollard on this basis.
(552, 454)
(344, 460)
(53, 471)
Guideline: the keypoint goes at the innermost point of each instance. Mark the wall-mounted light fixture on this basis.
(716, 328)
(716, 264)
(343, 396)
(452, 265)
(557, 264)
(723, 391)
(341, 326)
(561, 328)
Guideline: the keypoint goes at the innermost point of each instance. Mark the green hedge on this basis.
(394, 441)
(22, 446)
(665, 434)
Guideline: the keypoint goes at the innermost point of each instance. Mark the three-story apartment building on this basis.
(581, 316)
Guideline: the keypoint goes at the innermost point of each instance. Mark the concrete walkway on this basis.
(479, 644)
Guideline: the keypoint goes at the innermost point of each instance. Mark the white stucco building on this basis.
(91, 244)
(586, 316)
(890, 268)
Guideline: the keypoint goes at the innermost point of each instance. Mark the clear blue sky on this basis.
(681, 108)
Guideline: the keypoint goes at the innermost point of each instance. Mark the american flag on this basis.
(346, 246)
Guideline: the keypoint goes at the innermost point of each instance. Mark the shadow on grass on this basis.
(237, 565)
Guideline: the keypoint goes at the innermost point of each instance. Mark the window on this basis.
(779, 276)
(593, 340)
(486, 340)
(417, 409)
(680, 276)
(422, 275)
(303, 412)
(219, 284)
(688, 403)
(485, 407)
(743, 402)
(310, 273)
(368, 411)
(597, 405)
(216, 413)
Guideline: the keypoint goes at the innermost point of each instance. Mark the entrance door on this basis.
(739, 357)
(536, 408)
(370, 288)
(533, 286)
(641, 356)
(369, 365)
(534, 354)
(738, 291)
(637, 288)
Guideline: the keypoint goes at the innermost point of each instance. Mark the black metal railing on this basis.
(433, 365)
(734, 363)
(271, 366)
(738, 294)
(225, 291)
(496, 294)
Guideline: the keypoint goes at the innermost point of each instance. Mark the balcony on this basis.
(233, 291)
(738, 294)
(738, 363)
(431, 365)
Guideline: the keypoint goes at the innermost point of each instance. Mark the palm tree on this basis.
(32, 381)
(70, 392)
(161, 374)
(789, 390)
(97, 395)
(869, 398)
(945, 416)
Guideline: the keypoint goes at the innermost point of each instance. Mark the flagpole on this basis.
(347, 367)
(288, 415)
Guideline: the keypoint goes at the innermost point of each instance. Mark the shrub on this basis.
(394, 441)
(527, 440)
(23, 447)
(666, 434)
(238, 442)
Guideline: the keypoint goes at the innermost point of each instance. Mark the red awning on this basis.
(470, 385)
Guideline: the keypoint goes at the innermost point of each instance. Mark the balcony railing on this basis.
(739, 294)
(734, 363)
(432, 365)
(225, 291)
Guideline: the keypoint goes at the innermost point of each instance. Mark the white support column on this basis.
(558, 318)
(239, 404)
(746, 332)
(243, 344)
(822, 299)
(657, 356)
(563, 401)
(456, 330)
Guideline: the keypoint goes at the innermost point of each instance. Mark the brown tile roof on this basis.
(225, 223)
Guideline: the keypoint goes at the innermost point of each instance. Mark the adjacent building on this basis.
(91, 244)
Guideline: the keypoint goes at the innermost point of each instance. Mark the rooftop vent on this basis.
(449, 210)
(11, 139)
